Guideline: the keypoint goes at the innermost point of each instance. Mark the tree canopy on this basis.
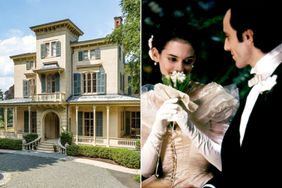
(128, 35)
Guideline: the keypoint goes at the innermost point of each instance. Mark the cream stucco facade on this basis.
(72, 85)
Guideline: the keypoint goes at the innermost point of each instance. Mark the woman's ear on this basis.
(155, 55)
(248, 35)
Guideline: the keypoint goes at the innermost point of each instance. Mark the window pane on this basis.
(94, 82)
(53, 49)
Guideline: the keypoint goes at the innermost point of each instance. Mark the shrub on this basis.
(122, 156)
(138, 146)
(73, 150)
(6, 143)
(66, 137)
(128, 158)
(30, 137)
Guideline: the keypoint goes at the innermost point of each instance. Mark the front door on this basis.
(51, 126)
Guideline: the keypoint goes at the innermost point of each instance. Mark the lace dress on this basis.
(210, 108)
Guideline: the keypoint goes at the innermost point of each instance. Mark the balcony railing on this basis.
(57, 97)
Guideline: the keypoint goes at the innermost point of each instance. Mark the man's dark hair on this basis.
(263, 17)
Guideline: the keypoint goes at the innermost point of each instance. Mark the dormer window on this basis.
(29, 65)
(51, 49)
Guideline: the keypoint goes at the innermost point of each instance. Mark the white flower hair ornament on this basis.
(150, 43)
(267, 85)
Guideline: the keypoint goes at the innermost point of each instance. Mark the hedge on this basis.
(122, 156)
(14, 144)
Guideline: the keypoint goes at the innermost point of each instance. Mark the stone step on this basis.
(46, 146)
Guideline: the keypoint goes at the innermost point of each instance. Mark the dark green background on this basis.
(213, 63)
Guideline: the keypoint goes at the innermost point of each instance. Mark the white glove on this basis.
(151, 148)
(206, 146)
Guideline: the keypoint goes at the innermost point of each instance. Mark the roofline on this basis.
(92, 42)
(42, 26)
(24, 55)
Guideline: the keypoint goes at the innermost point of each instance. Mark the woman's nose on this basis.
(179, 66)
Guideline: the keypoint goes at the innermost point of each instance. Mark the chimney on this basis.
(118, 21)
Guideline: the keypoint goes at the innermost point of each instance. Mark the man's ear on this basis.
(248, 35)
(155, 55)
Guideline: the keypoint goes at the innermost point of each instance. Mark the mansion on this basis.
(75, 86)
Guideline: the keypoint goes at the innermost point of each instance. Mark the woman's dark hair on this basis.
(165, 34)
(262, 17)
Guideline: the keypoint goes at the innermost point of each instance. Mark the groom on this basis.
(252, 145)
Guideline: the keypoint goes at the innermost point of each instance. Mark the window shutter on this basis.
(26, 120)
(80, 56)
(43, 51)
(101, 82)
(99, 124)
(76, 84)
(58, 49)
(25, 88)
(28, 88)
(57, 82)
(43, 83)
(80, 123)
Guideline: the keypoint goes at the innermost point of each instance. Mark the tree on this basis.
(1, 95)
(128, 35)
(9, 94)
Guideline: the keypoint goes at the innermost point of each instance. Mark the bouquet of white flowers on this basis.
(177, 80)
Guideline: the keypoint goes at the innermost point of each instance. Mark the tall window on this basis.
(26, 88)
(29, 88)
(94, 82)
(86, 123)
(33, 121)
(132, 120)
(50, 83)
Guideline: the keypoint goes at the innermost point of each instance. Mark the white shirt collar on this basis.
(269, 62)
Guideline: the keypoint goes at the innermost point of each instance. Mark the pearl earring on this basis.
(155, 63)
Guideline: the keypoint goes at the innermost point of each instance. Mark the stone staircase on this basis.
(46, 146)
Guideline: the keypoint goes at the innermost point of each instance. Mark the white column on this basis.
(29, 119)
(76, 124)
(108, 126)
(94, 125)
(5, 118)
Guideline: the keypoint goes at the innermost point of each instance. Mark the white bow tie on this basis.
(257, 79)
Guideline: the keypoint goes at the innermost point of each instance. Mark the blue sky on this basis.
(94, 17)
